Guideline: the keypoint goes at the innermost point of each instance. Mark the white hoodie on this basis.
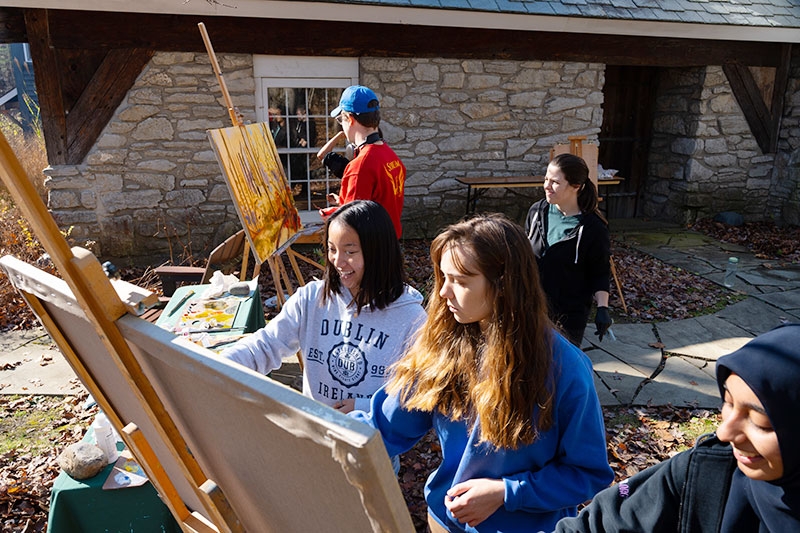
(344, 355)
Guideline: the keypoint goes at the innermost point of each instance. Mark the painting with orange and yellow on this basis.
(249, 161)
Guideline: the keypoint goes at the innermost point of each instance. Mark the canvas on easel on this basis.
(254, 174)
(577, 146)
(258, 186)
(229, 450)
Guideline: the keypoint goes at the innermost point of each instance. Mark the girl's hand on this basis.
(474, 500)
(345, 406)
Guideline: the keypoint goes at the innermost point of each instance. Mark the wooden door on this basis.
(629, 102)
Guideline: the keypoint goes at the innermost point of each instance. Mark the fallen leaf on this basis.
(657, 345)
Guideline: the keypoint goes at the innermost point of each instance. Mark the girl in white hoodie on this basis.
(350, 326)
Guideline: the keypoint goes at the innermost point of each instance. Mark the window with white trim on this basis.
(296, 95)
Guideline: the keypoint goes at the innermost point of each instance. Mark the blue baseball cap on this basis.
(355, 99)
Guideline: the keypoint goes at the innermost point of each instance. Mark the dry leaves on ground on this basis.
(27, 471)
(637, 437)
(765, 239)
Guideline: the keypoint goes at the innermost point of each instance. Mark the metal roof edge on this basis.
(371, 12)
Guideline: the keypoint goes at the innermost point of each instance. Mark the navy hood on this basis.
(770, 365)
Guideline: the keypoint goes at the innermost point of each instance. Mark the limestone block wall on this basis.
(785, 190)
(448, 118)
(703, 158)
(151, 188)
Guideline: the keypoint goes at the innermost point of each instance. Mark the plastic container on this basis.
(730, 271)
(104, 436)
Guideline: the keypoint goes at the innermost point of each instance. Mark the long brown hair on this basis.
(503, 378)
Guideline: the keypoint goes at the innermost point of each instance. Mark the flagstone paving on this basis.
(669, 362)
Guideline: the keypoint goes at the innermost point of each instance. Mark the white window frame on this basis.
(300, 72)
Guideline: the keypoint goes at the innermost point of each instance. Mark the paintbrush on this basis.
(185, 299)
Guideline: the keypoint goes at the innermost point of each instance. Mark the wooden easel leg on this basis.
(617, 283)
(276, 281)
(295, 267)
(245, 259)
(285, 276)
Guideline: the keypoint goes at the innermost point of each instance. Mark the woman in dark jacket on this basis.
(702, 490)
(571, 242)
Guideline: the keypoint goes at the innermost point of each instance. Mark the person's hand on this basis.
(603, 321)
(345, 406)
(333, 198)
(473, 501)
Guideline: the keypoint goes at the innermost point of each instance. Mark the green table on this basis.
(249, 315)
(83, 506)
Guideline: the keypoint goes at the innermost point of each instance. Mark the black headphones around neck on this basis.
(372, 138)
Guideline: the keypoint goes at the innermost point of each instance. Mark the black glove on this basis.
(335, 163)
(603, 321)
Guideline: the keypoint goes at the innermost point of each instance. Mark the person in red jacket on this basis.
(375, 172)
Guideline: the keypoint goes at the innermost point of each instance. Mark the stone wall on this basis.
(448, 118)
(785, 192)
(703, 158)
(151, 188)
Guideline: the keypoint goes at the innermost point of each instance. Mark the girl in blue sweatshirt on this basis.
(512, 402)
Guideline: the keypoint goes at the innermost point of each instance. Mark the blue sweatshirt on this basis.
(544, 481)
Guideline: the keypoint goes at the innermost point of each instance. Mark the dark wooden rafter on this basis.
(103, 94)
(12, 25)
(48, 86)
(78, 90)
(92, 58)
(178, 33)
(764, 118)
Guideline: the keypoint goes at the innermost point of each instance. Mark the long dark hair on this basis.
(576, 173)
(384, 274)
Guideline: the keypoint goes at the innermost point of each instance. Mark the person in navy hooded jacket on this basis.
(746, 478)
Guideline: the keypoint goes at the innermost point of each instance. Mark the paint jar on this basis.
(730, 271)
(104, 436)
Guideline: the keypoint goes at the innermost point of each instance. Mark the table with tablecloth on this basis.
(83, 506)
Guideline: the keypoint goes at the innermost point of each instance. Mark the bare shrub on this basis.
(16, 237)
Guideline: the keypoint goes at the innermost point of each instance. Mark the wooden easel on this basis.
(280, 276)
(577, 146)
(96, 295)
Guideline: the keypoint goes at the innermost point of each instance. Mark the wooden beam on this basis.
(101, 98)
(88, 30)
(12, 26)
(81, 89)
(764, 121)
(779, 94)
(750, 99)
(48, 87)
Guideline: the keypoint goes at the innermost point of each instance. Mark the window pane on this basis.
(300, 122)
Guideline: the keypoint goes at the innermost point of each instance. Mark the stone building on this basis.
(698, 111)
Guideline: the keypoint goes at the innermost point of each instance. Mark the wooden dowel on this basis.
(235, 119)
